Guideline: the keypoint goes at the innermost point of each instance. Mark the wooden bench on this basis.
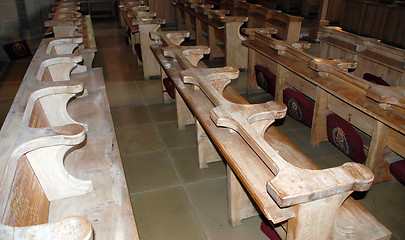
(79, 25)
(222, 32)
(145, 22)
(53, 167)
(371, 55)
(256, 155)
(375, 110)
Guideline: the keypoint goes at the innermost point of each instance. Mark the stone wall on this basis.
(22, 20)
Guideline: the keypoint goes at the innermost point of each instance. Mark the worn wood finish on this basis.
(336, 90)
(59, 159)
(371, 55)
(248, 161)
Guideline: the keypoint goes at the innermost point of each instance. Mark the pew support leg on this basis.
(310, 216)
(318, 130)
(239, 204)
(207, 152)
(184, 115)
(376, 155)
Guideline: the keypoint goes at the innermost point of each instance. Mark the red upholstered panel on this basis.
(138, 51)
(345, 138)
(169, 87)
(397, 169)
(299, 106)
(374, 79)
(269, 231)
(265, 79)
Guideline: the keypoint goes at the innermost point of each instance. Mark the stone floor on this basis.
(172, 198)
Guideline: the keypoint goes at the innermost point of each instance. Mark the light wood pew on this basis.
(146, 23)
(371, 55)
(60, 156)
(249, 167)
(74, 25)
(376, 111)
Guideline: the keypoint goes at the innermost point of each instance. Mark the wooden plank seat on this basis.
(251, 166)
(77, 25)
(371, 55)
(61, 172)
(143, 23)
(375, 110)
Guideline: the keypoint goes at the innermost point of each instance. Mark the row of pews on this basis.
(220, 28)
(337, 87)
(61, 171)
(266, 173)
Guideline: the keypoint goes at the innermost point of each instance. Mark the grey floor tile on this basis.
(209, 200)
(149, 171)
(166, 214)
(122, 94)
(173, 138)
(138, 139)
(151, 91)
(130, 116)
(186, 162)
(163, 112)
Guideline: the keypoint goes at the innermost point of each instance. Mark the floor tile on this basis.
(151, 91)
(172, 137)
(138, 139)
(386, 202)
(166, 214)
(289, 124)
(130, 116)
(163, 112)
(122, 94)
(331, 161)
(149, 171)
(209, 200)
(186, 162)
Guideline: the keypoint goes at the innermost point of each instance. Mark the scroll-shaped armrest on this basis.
(45, 149)
(175, 37)
(292, 185)
(387, 94)
(74, 228)
(59, 68)
(63, 46)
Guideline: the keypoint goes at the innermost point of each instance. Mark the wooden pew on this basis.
(371, 55)
(67, 23)
(222, 32)
(61, 172)
(250, 165)
(375, 110)
(141, 23)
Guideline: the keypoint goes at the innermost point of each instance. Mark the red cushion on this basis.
(345, 138)
(299, 106)
(138, 51)
(374, 79)
(397, 169)
(269, 231)
(169, 87)
(265, 79)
